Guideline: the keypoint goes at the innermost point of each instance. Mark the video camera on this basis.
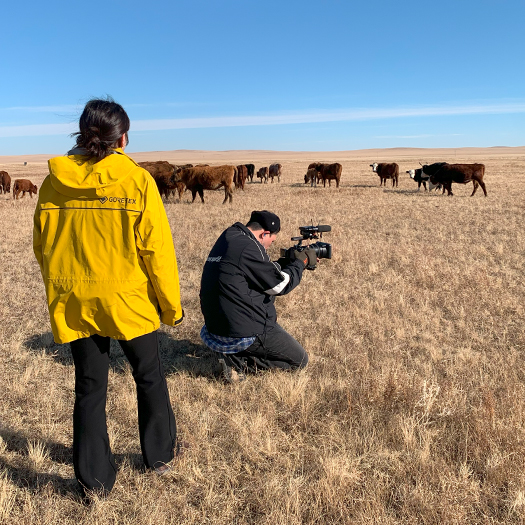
(323, 250)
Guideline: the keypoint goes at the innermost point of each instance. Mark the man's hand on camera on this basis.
(312, 258)
(296, 255)
(308, 257)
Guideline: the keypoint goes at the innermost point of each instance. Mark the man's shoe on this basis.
(229, 374)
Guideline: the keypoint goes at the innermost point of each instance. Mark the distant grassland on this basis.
(412, 409)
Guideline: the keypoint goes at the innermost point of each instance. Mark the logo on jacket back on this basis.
(119, 200)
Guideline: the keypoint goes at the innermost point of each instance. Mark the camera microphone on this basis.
(324, 228)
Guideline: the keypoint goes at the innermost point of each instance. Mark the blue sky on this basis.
(288, 75)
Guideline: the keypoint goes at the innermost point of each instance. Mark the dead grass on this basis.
(411, 410)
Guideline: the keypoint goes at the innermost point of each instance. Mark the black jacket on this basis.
(239, 284)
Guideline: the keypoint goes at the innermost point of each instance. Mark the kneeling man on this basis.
(238, 288)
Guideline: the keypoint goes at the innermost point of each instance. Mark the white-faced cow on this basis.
(416, 175)
(386, 171)
(458, 173)
(422, 178)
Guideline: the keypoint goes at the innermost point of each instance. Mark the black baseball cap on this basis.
(268, 220)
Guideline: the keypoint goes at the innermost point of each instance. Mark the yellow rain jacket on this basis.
(104, 246)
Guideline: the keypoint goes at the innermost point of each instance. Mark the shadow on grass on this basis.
(319, 186)
(178, 356)
(363, 186)
(413, 192)
(26, 476)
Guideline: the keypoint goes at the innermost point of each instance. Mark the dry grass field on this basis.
(411, 410)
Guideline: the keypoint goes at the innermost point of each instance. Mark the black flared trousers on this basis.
(95, 468)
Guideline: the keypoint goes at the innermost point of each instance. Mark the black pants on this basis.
(275, 349)
(92, 457)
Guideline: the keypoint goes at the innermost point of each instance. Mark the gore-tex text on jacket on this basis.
(239, 284)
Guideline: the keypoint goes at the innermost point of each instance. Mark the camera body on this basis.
(323, 250)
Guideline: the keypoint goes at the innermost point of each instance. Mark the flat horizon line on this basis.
(271, 151)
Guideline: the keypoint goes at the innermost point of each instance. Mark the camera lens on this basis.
(323, 250)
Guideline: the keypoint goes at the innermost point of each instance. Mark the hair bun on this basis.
(102, 124)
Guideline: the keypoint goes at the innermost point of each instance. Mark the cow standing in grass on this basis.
(275, 171)
(417, 176)
(162, 173)
(311, 177)
(315, 166)
(200, 178)
(22, 186)
(251, 171)
(330, 172)
(242, 175)
(326, 172)
(5, 182)
(263, 174)
(386, 171)
(446, 174)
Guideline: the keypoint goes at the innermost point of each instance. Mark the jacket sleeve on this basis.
(266, 276)
(37, 238)
(155, 245)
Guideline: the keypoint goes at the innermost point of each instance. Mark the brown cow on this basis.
(315, 166)
(263, 174)
(386, 171)
(5, 182)
(202, 178)
(311, 177)
(275, 171)
(320, 166)
(180, 188)
(242, 175)
(162, 172)
(330, 172)
(23, 185)
(458, 173)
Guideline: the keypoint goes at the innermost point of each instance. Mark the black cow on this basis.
(251, 171)
(416, 175)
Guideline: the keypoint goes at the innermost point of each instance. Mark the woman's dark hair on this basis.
(101, 124)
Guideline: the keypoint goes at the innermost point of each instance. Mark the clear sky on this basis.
(284, 75)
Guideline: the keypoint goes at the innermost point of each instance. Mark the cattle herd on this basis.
(176, 179)
(438, 175)
(20, 186)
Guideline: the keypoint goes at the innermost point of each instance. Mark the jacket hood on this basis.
(74, 176)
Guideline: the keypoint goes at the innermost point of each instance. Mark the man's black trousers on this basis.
(92, 458)
(275, 349)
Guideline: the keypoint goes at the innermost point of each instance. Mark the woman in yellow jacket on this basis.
(104, 246)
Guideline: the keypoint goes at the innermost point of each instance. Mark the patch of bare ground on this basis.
(412, 409)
